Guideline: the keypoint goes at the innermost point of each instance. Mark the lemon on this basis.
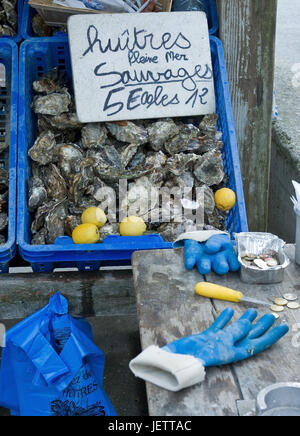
(94, 215)
(225, 199)
(132, 226)
(86, 234)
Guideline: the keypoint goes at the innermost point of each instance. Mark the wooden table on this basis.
(169, 309)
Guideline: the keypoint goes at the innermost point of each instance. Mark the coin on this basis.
(290, 297)
(280, 302)
(260, 264)
(293, 306)
(276, 315)
(271, 262)
(276, 308)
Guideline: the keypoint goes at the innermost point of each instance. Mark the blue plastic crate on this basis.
(38, 56)
(29, 12)
(18, 37)
(9, 129)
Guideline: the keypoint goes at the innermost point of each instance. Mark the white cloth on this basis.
(199, 236)
(170, 371)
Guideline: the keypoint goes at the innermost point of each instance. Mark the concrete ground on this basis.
(285, 164)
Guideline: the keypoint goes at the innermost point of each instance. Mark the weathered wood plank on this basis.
(247, 30)
(89, 293)
(281, 363)
(168, 309)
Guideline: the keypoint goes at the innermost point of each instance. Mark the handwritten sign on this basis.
(139, 66)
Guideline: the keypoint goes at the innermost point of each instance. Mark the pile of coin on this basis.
(263, 261)
(288, 300)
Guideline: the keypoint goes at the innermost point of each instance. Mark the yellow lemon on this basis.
(94, 215)
(225, 199)
(86, 234)
(132, 226)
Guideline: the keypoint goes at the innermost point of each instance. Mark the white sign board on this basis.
(139, 66)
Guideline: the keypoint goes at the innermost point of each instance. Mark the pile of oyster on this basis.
(8, 18)
(72, 163)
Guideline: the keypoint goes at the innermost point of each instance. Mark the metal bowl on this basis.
(281, 399)
(259, 243)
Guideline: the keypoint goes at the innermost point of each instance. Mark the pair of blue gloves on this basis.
(182, 363)
(217, 254)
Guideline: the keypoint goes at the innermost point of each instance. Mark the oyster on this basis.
(184, 141)
(208, 125)
(3, 221)
(69, 157)
(7, 31)
(209, 168)
(127, 131)
(160, 132)
(108, 229)
(54, 183)
(71, 222)
(52, 104)
(209, 200)
(8, 18)
(4, 201)
(93, 135)
(40, 28)
(63, 121)
(82, 180)
(128, 154)
(180, 163)
(55, 222)
(43, 148)
(141, 198)
(4, 180)
(3, 144)
(37, 193)
(39, 218)
(40, 237)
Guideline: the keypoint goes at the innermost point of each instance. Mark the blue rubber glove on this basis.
(221, 345)
(216, 254)
(181, 364)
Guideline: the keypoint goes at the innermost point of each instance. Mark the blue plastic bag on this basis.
(51, 366)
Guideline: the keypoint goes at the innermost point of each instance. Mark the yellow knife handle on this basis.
(210, 290)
